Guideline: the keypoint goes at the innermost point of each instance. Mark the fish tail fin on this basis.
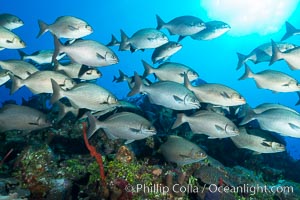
(124, 44)
(43, 28)
(290, 30)
(57, 48)
(298, 102)
(62, 111)
(16, 83)
(249, 116)
(113, 41)
(276, 53)
(186, 81)
(242, 59)
(160, 22)
(57, 92)
(138, 85)
(179, 120)
(92, 125)
(248, 73)
(22, 54)
(148, 69)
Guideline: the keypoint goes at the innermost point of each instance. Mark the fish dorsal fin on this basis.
(294, 126)
(178, 99)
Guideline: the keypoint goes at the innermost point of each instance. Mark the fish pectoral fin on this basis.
(225, 95)
(134, 130)
(72, 28)
(178, 99)
(183, 156)
(219, 128)
(294, 126)
(129, 141)
(285, 85)
(132, 48)
(33, 123)
(266, 144)
(100, 56)
(9, 41)
(110, 136)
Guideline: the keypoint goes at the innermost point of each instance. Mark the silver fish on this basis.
(267, 106)
(257, 140)
(19, 68)
(40, 57)
(84, 95)
(216, 94)
(167, 93)
(170, 71)
(181, 151)
(113, 41)
(273, 80)
(182, 26)
(9, 40)
(16, 117)
(10, 21)
(214, 29)
(165, 51)
(281, 121)
(66, 27)
(40, 82)
(130, 80)
(123, 125)
(263, 53)
(4, 76)
(209, 123)
(86, 52)
(291, 57)
(74, 70)
(290, 31)
(146, 38)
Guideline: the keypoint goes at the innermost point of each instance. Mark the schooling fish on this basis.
(214, 29)
(263, 53)
(40, 82)
(257, 140)
(123, 125)
(165, 51)
(19, 68)
(146, 38)
(273, 80)
(84, 95)
(9, 40)
(130, 80)
(291, 57)
(281, 121)
(10, 21)
(40, 57)
(86, 52)
(66, 27)
(170, 71)
(209, 123)
(216, 94)
(167, 93)
(181, 151)
(182, 26)
(23, 118)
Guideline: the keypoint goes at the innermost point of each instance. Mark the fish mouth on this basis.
(150, 132)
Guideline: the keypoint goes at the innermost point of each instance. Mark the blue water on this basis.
(215, 60)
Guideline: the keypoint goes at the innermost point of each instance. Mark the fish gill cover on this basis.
(240, 60)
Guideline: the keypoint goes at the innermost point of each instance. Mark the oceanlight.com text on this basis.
(176, 188)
